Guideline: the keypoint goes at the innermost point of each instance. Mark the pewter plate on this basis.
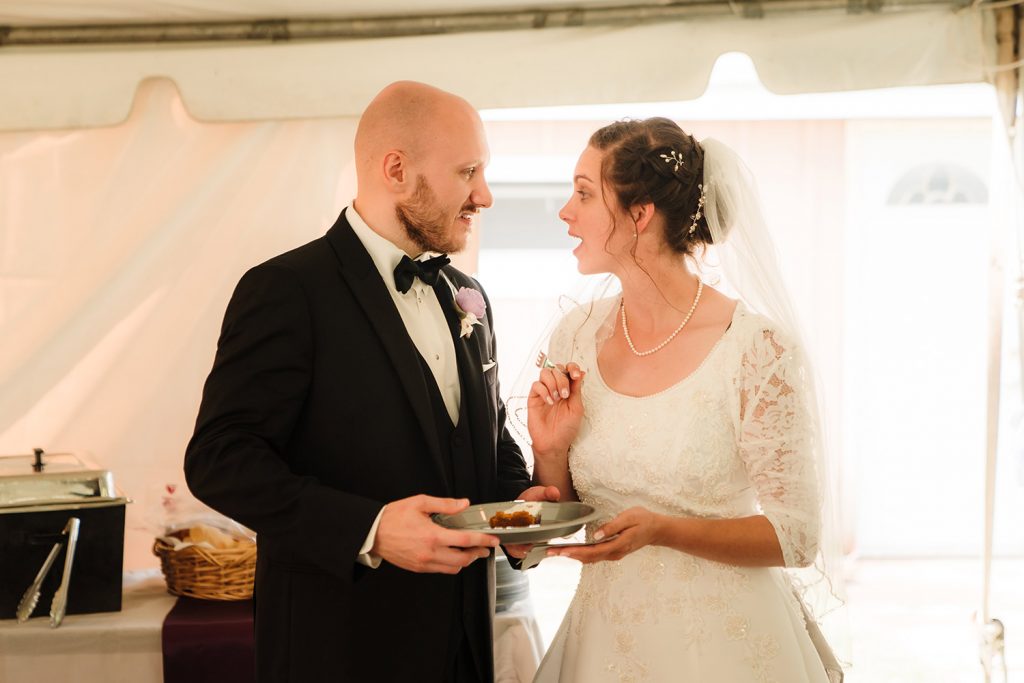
(556, 520)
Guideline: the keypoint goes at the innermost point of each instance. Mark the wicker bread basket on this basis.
(208, 574)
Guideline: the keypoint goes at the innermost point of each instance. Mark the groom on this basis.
(354, 393)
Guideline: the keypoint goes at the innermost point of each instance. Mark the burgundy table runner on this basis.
(209, 641)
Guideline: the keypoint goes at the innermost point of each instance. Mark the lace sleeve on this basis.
(777, 444)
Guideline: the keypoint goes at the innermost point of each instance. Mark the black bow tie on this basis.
(407, 269)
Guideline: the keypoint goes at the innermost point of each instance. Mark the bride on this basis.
(686, 417)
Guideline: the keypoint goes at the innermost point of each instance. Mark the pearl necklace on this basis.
(659, 347)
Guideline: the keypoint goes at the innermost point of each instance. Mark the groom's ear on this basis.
(395, 171)
(642, 215)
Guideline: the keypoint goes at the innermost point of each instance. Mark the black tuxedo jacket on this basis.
(316, 414)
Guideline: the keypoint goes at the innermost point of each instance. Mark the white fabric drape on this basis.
(68, 86)
(119, 248)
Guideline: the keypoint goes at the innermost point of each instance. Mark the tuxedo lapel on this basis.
(370, 291)
(471, 379)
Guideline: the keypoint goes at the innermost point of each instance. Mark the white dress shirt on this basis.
(427, 327)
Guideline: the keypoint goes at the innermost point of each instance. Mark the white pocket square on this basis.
(487, 366)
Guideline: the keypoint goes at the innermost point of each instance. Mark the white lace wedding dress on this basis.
(729, 440)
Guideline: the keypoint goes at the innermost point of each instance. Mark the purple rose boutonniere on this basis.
(471, 309)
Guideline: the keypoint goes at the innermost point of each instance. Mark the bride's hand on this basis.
(555, 409)
(636, 528)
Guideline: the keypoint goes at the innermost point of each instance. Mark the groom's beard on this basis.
(429, 225)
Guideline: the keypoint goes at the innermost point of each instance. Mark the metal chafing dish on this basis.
(40, 496)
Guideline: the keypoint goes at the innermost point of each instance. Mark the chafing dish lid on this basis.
(64, 481)
(15, 465)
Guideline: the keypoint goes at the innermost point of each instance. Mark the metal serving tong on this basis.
(60, 599)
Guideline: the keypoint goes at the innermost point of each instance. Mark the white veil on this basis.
(744, 258)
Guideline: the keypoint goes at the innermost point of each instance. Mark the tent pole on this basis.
(326, 28)
(1007, 82)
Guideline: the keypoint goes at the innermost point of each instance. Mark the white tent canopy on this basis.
(128, 209)
(633, 54)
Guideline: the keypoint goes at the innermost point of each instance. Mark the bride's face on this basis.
(590, 214)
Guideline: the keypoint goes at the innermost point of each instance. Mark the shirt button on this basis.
(437, 356)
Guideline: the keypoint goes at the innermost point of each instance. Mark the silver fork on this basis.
(544, 362)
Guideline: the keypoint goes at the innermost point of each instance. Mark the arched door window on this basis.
(938, 183)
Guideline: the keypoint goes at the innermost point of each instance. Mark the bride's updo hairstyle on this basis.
(654, 161)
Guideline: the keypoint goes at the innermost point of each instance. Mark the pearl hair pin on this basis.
(700, 209)
(659, 347)
(674, 158)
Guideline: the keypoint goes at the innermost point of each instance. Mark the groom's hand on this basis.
(408, 538)
(541, 494)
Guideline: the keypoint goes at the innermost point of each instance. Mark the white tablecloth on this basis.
(116, 647)
(518, 646)
(125, 646)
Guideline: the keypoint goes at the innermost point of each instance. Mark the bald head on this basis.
(420, 158)
(410, 117)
